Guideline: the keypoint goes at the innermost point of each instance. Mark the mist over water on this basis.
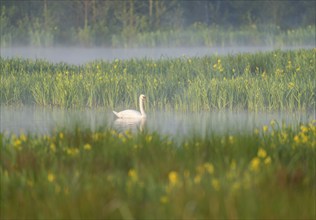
(79, 56)
(42, 120)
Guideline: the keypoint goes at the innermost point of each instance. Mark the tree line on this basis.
(69, 21)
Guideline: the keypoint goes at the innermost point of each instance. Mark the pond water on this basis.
(72, 55)
(43, 120)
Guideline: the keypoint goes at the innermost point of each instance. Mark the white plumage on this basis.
(133, 113)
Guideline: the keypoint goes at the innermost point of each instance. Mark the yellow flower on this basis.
(197, 179)
(149, 138)
(289, 65)
(296, 139)
(279, 72)
(173, 178)
(265, 128)
(231, 139)
(133, 175)
(209, 167)
(218, 66)
(215, 184)
(254, 164)
(261, 153)
(164, 199)
(96, 136)
(23, 137)
(272, 123)
(135, 146)
(128, 134)
(72, 151)
(267, 161)
(87, 147)
(122, 137)
(52, 147)
(283, 136)
(50, 177)
(17, 143)
(304, 129)
(61, 135)
(304, 138)
(291, 85)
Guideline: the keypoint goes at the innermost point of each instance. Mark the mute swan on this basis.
(133, 113)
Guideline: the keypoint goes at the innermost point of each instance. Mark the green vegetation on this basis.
(201, 35)
(73, 174)
(79, 173)
(151, 23)
(277, 80)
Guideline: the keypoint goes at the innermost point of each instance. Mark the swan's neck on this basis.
(141, 107)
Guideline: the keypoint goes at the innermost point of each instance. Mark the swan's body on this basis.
(133, 113)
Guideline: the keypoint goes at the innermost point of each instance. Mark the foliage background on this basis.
(119, 23)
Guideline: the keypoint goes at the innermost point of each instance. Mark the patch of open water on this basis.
(42, 120)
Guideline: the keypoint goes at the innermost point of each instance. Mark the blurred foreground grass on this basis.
(79, 174)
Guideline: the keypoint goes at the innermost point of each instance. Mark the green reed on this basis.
(277, 80)
(77, 173)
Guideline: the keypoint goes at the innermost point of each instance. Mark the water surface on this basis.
(42, 120)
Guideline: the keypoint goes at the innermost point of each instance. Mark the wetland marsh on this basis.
(227, 136)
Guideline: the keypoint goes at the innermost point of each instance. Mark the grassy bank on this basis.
(277, 80)
(76, 173)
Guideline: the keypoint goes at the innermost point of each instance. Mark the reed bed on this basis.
(78, 173)
(264, 81)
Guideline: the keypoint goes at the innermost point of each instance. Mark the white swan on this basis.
(133, 113)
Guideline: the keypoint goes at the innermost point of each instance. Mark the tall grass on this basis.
(277, 80)
(77, 173)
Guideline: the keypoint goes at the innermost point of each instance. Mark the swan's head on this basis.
(142, 97)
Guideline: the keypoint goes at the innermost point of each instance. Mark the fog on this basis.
(79, 56)
(41, 120)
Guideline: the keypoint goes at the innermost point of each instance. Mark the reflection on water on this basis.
(221, 122)
(134, 124)
(43, 120)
